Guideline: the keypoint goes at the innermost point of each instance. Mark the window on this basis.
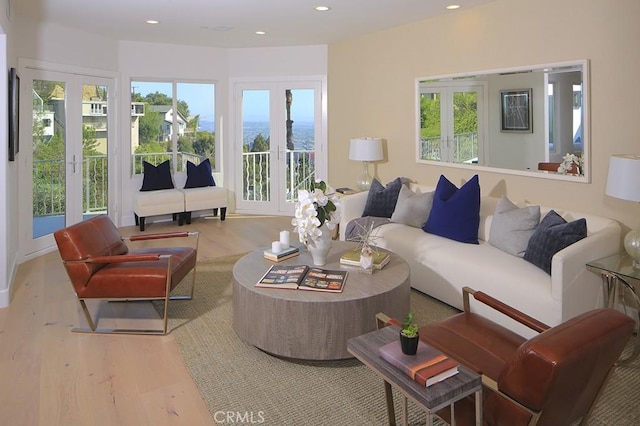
(172, 120)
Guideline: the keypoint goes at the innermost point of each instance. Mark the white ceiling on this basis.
(233, 23)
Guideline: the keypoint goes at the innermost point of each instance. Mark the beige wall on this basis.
(371, 89)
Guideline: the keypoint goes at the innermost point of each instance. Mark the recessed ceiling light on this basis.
(322, 8)
(261, 32)
(453, 6)
(152, 21)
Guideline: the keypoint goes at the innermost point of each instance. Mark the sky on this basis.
(200, 98)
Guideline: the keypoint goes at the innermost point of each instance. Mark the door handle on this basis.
(73, 165)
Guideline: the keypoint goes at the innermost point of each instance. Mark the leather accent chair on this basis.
(101, 266)
(554, 378)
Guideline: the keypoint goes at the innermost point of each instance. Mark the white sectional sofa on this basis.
(441, 267)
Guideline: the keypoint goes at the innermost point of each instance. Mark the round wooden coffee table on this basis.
(314, 325)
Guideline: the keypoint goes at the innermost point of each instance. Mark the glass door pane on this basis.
(299, 165)
(94, 150)
(465, 127)
(430, 126)
(49, 147)
(256, 145)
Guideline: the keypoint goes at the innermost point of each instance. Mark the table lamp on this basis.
(365, 150)
(623, 182)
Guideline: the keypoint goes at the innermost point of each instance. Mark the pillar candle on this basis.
(284, 240)
(276, 247)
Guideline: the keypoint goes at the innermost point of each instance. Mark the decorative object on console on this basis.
(315, 214)
(365, 150)
(552, 235)
(571, 164)
(455, 213)
(623, 182)
(409, 335)
(156, 177)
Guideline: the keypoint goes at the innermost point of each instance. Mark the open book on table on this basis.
(427, 367)
(303, 277)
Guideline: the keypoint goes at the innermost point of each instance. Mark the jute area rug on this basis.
(233, 376)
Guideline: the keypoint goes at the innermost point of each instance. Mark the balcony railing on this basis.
(256, 166)
(49, 178)
(465, 148)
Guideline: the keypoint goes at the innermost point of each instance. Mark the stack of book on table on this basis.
(302, 277)
(352, 258)
(427, 367)
(281, 255)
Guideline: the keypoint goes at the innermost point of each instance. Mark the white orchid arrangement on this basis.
(314, 209)
(567, 164)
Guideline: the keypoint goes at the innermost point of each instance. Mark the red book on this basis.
(427, 367)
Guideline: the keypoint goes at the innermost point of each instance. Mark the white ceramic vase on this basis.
(319, 248)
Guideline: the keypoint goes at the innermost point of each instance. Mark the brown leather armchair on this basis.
(101, 266)
(553, 379)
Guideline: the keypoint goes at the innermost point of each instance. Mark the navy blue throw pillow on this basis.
(199, 176)
(455, 213)
(552, 235)
(156, 177)
(381, 201)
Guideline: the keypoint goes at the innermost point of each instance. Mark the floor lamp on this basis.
(623, 182)
(365, 150)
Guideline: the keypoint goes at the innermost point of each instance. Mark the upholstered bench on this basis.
(205, 198)
(192, 192)
(158, 202)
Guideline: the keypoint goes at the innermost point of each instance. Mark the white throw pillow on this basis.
(412, 208)
(512, 227)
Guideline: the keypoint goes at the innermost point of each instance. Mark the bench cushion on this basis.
(151, 203)
(208, 197)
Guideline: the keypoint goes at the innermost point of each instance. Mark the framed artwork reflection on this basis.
(516, 110)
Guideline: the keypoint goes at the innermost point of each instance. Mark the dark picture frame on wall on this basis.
(516, 110)
(14, 114)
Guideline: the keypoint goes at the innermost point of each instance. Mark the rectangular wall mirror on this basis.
(523, 121)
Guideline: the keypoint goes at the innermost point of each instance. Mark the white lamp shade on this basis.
(366, 149)
(623, 180)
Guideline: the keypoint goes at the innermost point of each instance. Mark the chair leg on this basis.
(223, 213)
(87, 315)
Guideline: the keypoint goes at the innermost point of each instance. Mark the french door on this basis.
(280, 143)
(451, 123)
(67, 163)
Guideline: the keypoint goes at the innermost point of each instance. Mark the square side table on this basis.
(432, 398)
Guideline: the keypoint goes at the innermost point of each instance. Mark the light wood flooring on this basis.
(51, 376)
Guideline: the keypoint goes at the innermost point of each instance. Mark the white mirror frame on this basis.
(585, 178)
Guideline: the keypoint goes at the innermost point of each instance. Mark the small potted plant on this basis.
(409, 335)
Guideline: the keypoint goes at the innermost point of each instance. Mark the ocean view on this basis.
(303, 133)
